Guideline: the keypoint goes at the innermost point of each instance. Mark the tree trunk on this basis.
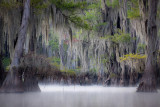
(2, 73)
(1, 42)
(13, 82)
(149, 79)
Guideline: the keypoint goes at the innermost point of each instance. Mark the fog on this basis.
(81, 96)
(87, 89)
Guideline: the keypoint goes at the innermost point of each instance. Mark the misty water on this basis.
(81, 96)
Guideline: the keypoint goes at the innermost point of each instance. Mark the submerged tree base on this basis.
(15, 84)
(146, 88)
(12, 83)
(148, 83)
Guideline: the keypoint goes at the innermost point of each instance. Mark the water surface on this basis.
(81, 96)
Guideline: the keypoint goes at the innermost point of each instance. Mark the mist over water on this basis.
(87, 89)
(81, 96)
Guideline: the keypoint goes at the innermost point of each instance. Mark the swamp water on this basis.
(81, 96)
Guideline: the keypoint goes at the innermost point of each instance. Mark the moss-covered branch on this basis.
(132, 56)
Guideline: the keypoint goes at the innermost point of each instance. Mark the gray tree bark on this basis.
(13, 81)
(149, 79)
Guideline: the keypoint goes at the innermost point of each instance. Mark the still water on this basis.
(81, 96)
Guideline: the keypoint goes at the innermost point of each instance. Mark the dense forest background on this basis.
(109, 42)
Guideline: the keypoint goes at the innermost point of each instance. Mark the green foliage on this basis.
(112, 56)
(54, 59)
(54, 43)
(39, 6)
(6, 62)
(34, 3)
(82, 14)
(94, 5)
(132, 56)
(119, 37)
(98, 25)
(55, 62)
(113, 4)
(68, 5)
(77, 70)
(63, 5)
(56, 65)
(159, 33)
(93, 16)
(135, 3)
(60, 4)
(113, 75)
(10, 4)
(78, 21)
(93, 70)
(140, 47)
(105, 59)
(158, 12)
(134, 11)
(70, 8)
(78, 34)
(70, 71)
(65, 47)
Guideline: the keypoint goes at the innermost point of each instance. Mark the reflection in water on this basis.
(81, 96)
